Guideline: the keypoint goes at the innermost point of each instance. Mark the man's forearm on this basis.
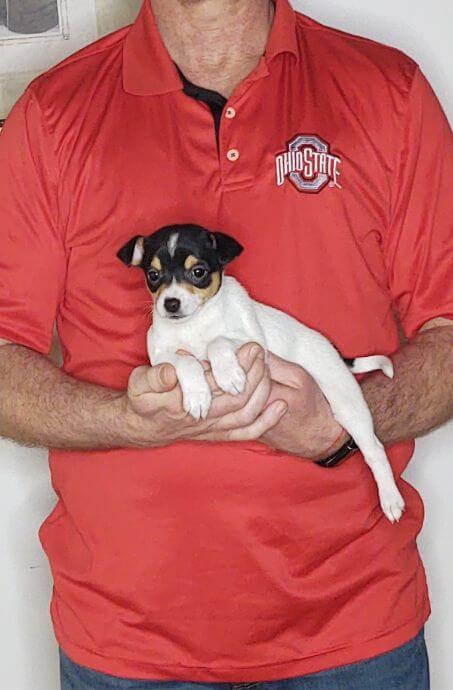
(420, 397)
(40, 405)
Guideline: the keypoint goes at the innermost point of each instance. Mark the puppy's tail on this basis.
(362, 365)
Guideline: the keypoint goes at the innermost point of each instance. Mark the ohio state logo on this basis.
(308, 164)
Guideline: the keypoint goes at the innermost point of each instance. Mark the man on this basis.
(218, 551)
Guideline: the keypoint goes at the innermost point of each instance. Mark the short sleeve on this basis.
(32, 256)
(419, 245)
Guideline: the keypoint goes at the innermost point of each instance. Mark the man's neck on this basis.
(215, 43)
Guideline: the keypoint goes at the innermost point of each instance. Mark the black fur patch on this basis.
(214, 250)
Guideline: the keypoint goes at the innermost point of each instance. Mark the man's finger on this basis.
(287, 373)
(248, 353)
(158, 379)
(266, 421)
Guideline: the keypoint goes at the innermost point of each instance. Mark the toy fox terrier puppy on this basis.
(203, 312)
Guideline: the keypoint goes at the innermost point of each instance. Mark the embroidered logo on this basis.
(308, 164)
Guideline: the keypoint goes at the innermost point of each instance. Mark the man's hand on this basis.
(155, 417)
(308, 429)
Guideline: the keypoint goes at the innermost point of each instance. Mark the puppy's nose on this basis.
(172, 305)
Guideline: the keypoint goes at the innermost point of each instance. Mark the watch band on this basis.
(340, 455)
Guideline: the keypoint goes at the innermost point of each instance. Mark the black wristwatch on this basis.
(341, 454)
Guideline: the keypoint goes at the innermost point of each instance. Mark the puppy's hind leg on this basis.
(355, 417)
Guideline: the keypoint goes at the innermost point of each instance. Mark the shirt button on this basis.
(230, 113)
(233, 155)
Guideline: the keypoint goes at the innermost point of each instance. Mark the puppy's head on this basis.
(183, 266)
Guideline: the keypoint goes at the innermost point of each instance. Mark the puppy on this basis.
(200, 310)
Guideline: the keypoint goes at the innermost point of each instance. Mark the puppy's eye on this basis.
(153, 275)
(198, 273)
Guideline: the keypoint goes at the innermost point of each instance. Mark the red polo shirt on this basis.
(335, 165)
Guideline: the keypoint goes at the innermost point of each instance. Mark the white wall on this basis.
(420, 28)
(25, 57)
(28, 655)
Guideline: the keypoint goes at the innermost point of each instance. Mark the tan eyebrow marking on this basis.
(190, 261)
(155, 263)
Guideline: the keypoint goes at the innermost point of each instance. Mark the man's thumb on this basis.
(162, 378)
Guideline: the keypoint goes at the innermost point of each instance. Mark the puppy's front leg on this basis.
(227, 372)
(196, 393)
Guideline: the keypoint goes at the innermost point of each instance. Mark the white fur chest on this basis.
(230, 314)
(168, 336)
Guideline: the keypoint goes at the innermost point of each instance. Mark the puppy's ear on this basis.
(132, 252)
(227, 247)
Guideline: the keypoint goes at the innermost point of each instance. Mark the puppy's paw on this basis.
(229, 375)
(197, 403)
(392, 503)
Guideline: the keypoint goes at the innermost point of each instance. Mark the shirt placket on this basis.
(235, 150)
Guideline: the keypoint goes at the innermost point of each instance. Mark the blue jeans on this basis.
(404, 668)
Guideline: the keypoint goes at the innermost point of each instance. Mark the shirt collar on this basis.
(283, 37)
(148, 69)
